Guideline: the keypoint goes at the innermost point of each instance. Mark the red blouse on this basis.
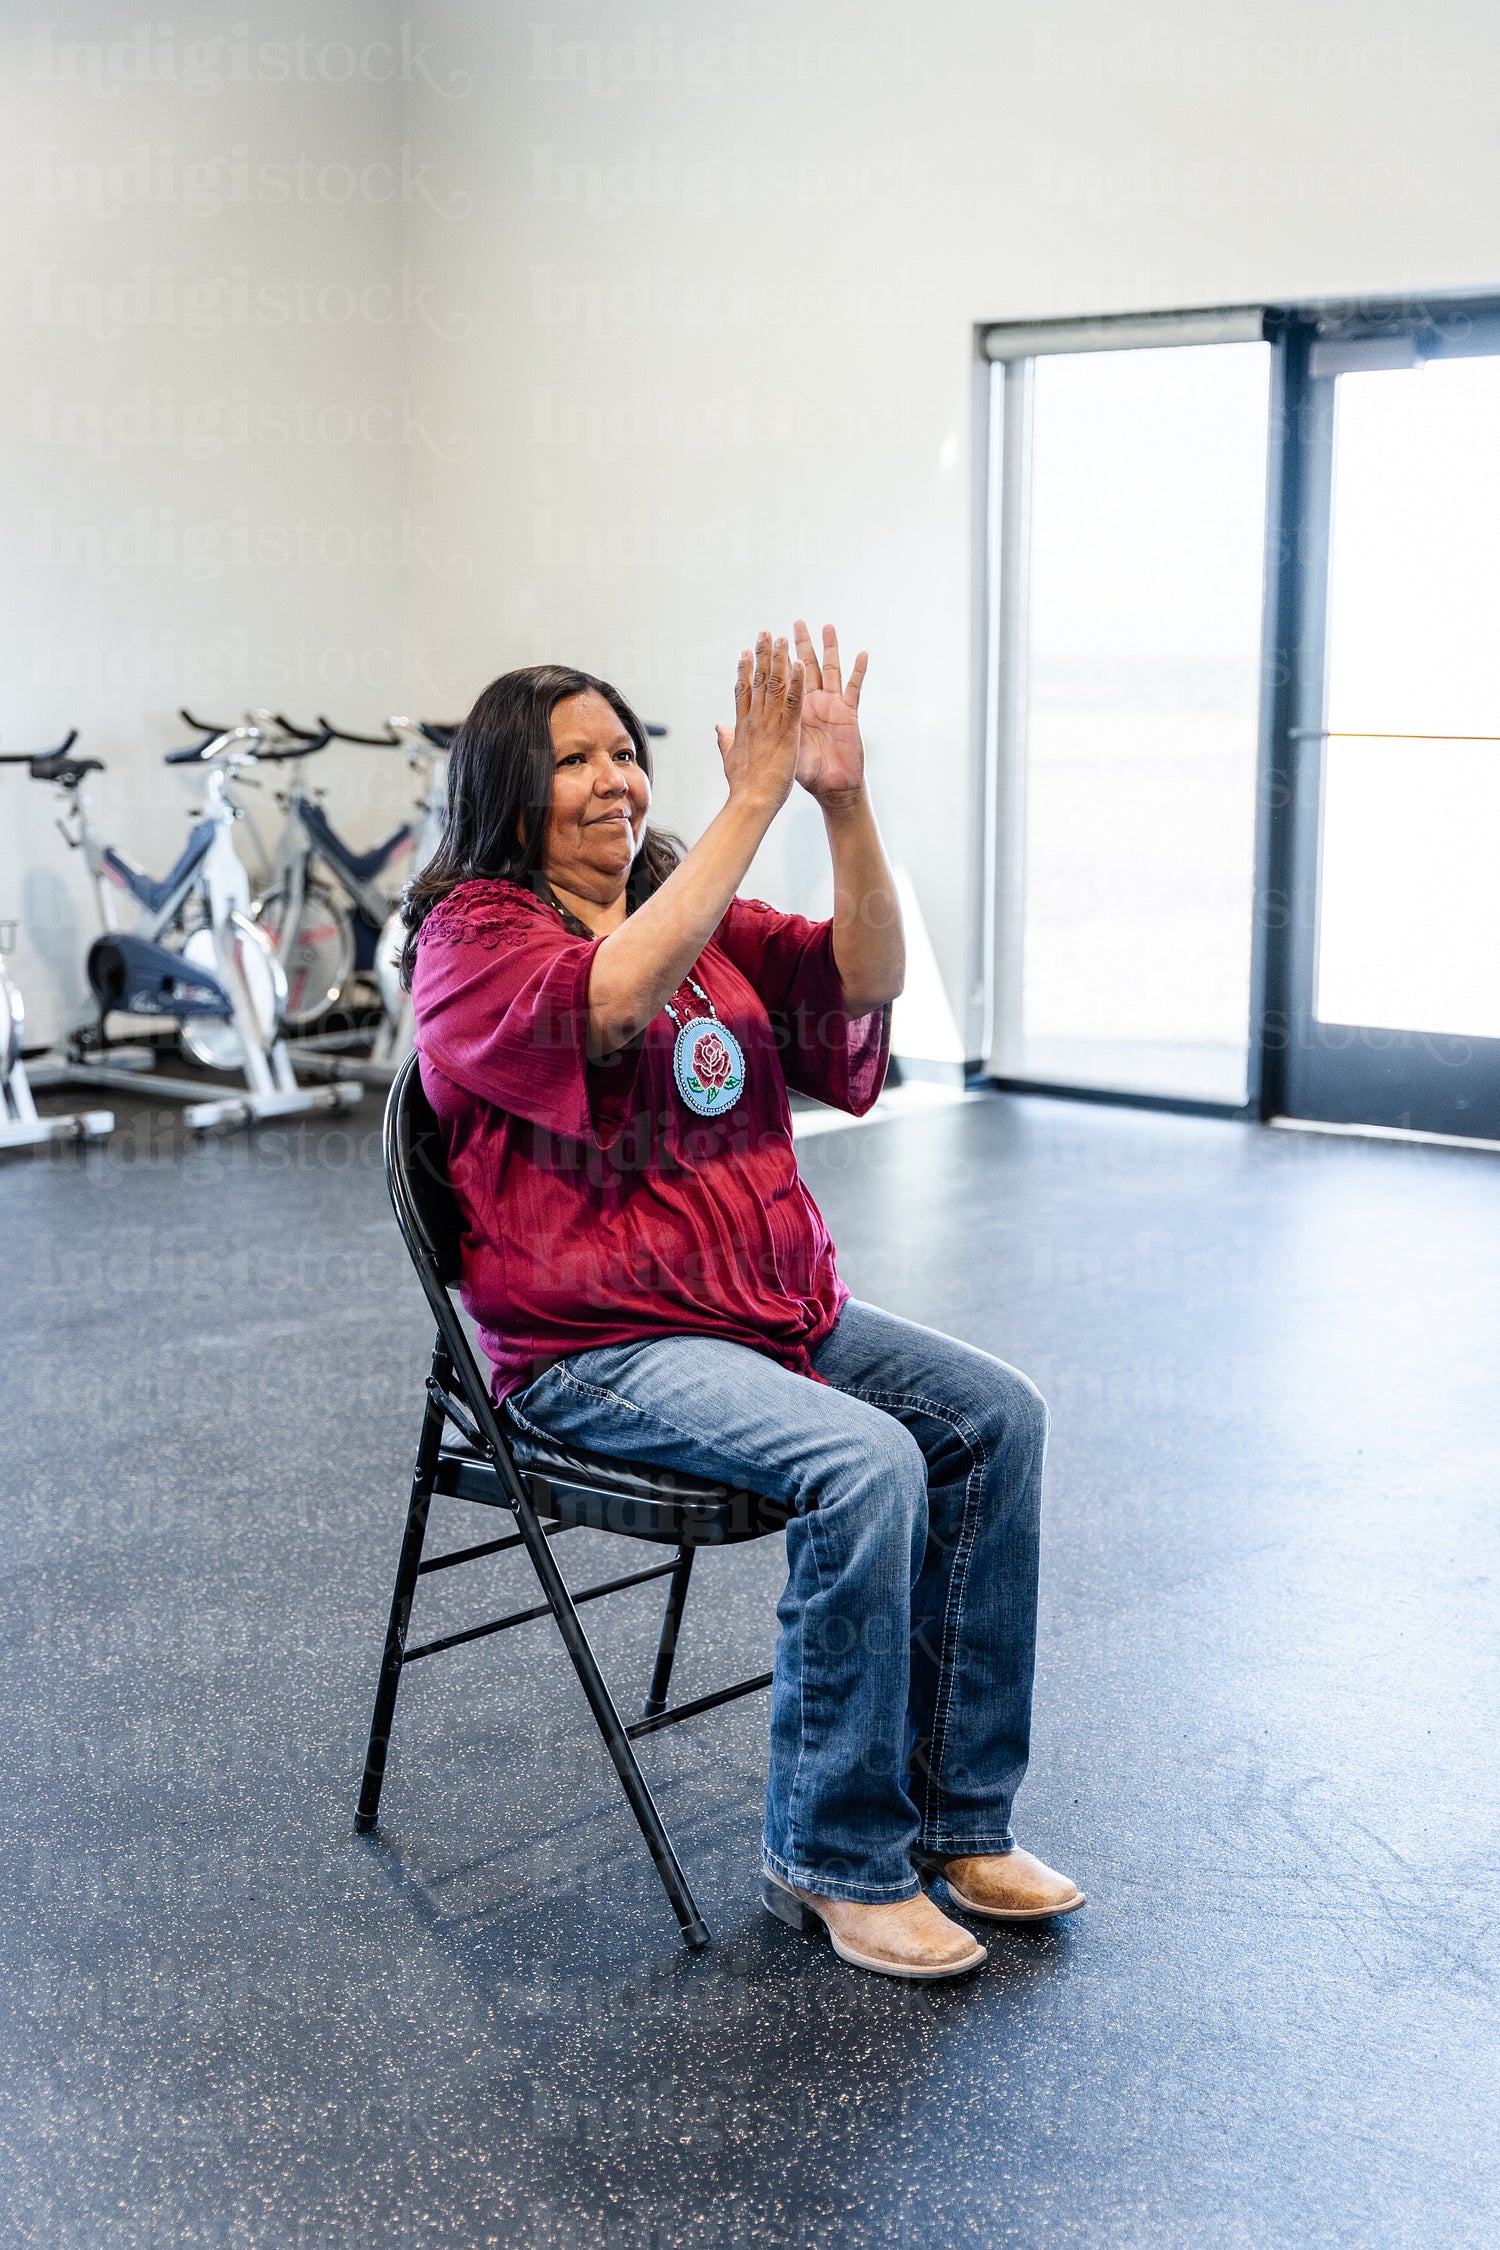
(598, 1207)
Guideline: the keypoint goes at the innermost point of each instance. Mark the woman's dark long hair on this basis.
(500, 772)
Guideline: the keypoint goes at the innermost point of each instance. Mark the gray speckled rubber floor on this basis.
(1265, 1742)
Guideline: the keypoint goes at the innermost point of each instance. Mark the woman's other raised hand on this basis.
(760, 751)
(831, 758)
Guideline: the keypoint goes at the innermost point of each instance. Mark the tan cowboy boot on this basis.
(1013, 1886)
(910, 1938)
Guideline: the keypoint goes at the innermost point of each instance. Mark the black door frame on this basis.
(1300, 1067)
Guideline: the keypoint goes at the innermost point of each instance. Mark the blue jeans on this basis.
(901, 1702)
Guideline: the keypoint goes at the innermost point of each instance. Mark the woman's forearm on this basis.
(869, 947)
(639, 967)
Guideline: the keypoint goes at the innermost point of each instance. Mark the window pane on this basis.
(1409, 902)
(1147, 558)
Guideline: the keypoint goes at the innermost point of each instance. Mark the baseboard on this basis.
(911, 1070)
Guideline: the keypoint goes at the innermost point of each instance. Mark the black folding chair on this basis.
(549, 1488)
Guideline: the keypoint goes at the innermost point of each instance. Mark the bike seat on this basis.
(53, 765)
(58, 766)
(151, 894)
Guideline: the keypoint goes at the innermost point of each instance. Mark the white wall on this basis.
(207, 482)
(725, 267)
(690, 307)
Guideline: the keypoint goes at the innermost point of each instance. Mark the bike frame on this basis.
(298, 846)
(308, 835)
(75, 825)
(393, 1037)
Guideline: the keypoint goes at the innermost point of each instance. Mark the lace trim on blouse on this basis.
(485, 911)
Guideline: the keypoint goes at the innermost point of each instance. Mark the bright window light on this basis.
(1409, 913)
(1147, 560)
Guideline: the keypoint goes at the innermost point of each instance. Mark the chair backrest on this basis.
(416, 1173)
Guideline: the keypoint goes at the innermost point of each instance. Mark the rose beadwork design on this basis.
(711, 1061)
(708, 1066)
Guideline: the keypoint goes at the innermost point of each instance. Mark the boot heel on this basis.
(787, 1907)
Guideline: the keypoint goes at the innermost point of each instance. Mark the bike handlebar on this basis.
(440, 737)
(55, 765)
(390, 740)
(30, 757)
(258, 749)
(305, 742)
(214, 740)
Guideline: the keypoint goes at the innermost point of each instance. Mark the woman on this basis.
(607, 1034)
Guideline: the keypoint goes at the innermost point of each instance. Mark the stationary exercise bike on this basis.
(195, 957)
(426, 748)
(20, 1126)
(322, 903)
(325, 941)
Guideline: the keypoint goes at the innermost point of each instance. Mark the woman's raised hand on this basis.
(831, 759)
(773, 742)
(760, 750)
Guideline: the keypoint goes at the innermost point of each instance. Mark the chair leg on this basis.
(423, 1477)
(607, 1718)
(666, 1647)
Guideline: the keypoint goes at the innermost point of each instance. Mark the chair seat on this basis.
(628, 1497)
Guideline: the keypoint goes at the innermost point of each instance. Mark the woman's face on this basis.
(600, 799)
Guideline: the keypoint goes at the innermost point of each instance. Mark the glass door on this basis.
(1131, 544)
(1396, 971)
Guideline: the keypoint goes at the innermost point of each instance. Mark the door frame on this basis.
(1302, 1068)
(1298, 1067)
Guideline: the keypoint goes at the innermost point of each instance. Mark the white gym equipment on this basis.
(20, 1126)
(195, 957)
(320, 934)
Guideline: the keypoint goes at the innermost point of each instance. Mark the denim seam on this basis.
(933, 1792)
(598, 1391)
(858, 1894)
(516, 1416)
(967, 1848)
(812, 1521)
(963, 1548)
